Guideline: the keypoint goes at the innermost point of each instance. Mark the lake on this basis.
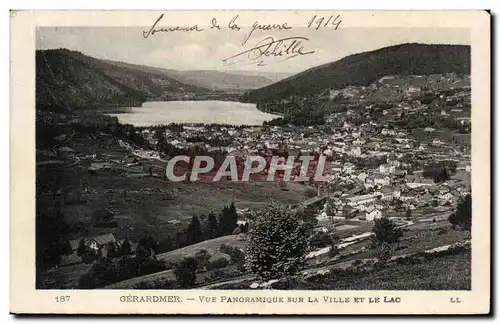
(206, 112)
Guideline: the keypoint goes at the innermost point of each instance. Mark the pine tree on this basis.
(82, 248)
(233, 217)
(277, 242)
(148, 242)
(213, 225)
(126, 248)
(194, 232)
(228, 220)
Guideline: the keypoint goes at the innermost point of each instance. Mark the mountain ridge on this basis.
(366, 67)
(71, 79)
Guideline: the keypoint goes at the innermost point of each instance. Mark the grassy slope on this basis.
(452, 272)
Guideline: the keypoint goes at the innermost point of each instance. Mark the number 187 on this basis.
(62, 299)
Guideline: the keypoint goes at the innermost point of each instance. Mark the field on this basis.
(418, 237)
(141, 202)
(64, 277)
(211, 246)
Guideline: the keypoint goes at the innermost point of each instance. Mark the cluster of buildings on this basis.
(373, 166)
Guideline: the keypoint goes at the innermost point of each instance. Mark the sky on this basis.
(207, 49)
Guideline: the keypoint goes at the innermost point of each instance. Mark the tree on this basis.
(408, 214)
(82, 248)
(51, 230)
(142, 253)
(385, 231)
(237, 256)
(112, 251)
(334, 249)
(166, 244)
(194, 232)
(308, 216)
(277, 242)
(462, 217)
(398, 204)
(442, 175)
(213, 225)
(310, 192)
(228, 220)
(148, 243)
(185, 272)
(126, 248)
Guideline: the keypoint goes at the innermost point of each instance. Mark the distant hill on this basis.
(226, 81)
(367, 67)
(69, 79)
(273, 76)
(211, 79)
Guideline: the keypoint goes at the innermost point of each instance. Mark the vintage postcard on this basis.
(250, 162)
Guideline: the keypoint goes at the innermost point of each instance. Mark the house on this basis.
(356, 190)
(362, 176)
(386, 168)
(356, 151)
(393, 162)
(348, 168)
(96, 243)
(382, 180)
(387, 193)
(337, 167)
(447, 196)
(100, 242)
(372, 214)
(418, 182)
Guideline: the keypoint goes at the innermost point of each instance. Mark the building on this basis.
(387, 168)
(362, 176)
(372, 213)
(361, 200)
(387, 193)
(382, 180)
(95, 243)
(356, 151)
(348, 168)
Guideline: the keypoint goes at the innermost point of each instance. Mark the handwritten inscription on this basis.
(269, 49)
(287, 48)
(154, 30)
(257, 26)
(320, 22)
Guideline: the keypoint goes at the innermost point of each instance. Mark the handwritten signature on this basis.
(287, 48)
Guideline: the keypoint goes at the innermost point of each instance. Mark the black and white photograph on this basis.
(228, 154)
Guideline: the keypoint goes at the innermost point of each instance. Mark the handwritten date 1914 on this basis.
(320, 22)
(287, 48)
